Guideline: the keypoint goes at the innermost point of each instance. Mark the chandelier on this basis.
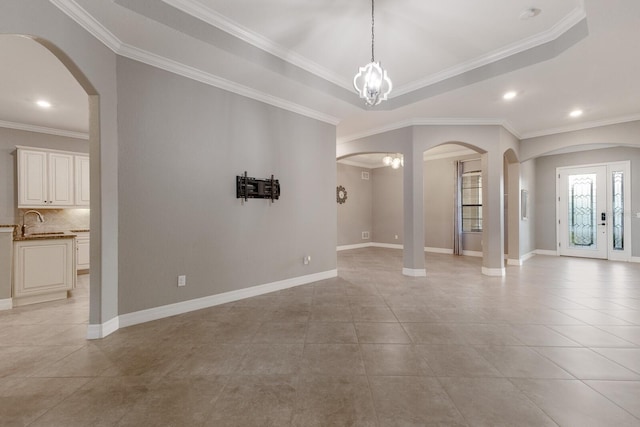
(372, 83)
(393, 160)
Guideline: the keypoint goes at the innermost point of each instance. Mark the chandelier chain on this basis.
(372, 27)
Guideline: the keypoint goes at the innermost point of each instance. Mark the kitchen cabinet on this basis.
(44, 270)
(82, 250)
(45, 179)
(82, 180)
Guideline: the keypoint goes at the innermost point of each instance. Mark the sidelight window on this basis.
(471, 205)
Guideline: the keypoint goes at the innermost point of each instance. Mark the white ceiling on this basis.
(28, 73)
(450, 61)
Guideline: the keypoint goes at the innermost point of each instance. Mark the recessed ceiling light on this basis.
(43, 104)
(576, 113)
(529, 13)
(510, 95)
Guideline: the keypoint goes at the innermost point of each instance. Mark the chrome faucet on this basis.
(24, 226)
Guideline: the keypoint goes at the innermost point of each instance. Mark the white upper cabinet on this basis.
(33, 184)
(82, 180)
(61, 185)
(49, 179)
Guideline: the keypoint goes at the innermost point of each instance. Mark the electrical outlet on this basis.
(182, 280)
(306, 259)
(396, 236)
(365, 235)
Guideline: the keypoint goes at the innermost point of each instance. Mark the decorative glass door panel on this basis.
(583, 224)
(583, 230)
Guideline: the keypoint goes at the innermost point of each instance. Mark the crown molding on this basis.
(374, 131)
(175, 67)
(95, 28)
(43, 129)
(83, 18)
(227, 25)
(582, 126)
(430, 122)
(561, 27)
(487, 122)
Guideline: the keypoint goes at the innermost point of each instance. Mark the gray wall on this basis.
(355, 215)
(387, 205)
(439, 191)
(9, 138)
(545, 201)
(182, 143)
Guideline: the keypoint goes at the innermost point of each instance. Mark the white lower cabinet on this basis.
(82, 251)
(44, 270)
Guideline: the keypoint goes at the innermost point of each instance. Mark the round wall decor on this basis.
(341, 194)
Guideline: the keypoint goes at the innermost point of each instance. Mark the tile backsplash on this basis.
(55, 220)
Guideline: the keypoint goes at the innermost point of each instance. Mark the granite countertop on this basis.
(43, 236)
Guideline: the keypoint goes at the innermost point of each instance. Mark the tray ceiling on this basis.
(450, 61)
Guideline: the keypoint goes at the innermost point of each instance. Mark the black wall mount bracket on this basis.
(255, 188)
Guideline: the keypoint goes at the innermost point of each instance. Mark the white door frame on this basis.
(611, 168)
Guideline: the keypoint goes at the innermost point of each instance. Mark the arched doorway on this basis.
(453, 199)
(85, 106)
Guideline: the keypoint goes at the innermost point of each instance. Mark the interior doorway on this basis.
(40, 72)
(593, 203)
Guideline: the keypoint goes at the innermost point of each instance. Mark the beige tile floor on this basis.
(555, 342)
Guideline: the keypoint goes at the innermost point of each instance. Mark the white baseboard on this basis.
(356, 246)
(527, 256)
(472, 253)
(495, 272)
(545, 252)
(98, 331)
(523, 258)
(634, 259)
(169, 310)
(414, 272)
(6, 304)
(387, 245)
(439, 250)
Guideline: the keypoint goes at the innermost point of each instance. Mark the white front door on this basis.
(593, 218)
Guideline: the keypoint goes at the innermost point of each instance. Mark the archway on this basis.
(452, 205)
(92, 105)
